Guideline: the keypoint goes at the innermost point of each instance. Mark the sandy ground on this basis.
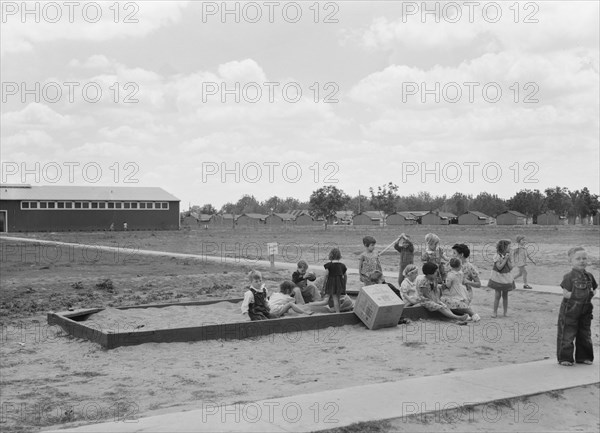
(147, 319)
(49, 378)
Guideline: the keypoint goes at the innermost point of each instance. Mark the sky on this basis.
(213, 100)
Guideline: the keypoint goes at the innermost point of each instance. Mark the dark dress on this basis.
(259, 309)
(336, 283)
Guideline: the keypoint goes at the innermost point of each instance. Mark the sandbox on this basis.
(179, 322)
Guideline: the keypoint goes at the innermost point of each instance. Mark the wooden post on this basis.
(272, 250)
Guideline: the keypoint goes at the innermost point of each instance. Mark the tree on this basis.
(530, 203)
(386, 198)
(558, 200)
(248, 204)
(273, 203)
(359, 203)
(458, 204)
(208, 209)
(326, 201)
(584, 204)
(488, 204)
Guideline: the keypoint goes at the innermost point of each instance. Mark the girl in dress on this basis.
(501, 280)
(408, 288)
(429, 293)
(281, 302)
(335, 279)
(368, 261)
(456, 295)
(435, 254)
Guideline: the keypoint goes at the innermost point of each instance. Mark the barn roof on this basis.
(344, 214)
(418, 213)
(514, 212)
(478, 214)
(70, 192)
(406, 215)
(373, 214)
(257, 216)
(296, 213)
(285, 216)
(447, 215)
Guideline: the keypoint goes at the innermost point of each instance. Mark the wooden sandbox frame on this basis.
(73, 322)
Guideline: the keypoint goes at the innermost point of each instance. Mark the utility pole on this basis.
(359, 201)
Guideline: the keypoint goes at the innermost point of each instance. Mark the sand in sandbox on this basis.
(176, 316)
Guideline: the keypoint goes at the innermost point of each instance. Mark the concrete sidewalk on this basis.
(263, 264)
(342, 407)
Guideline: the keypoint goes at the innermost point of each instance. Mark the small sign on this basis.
(272, 248)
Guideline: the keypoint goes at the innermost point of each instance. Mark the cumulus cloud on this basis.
(20, 31)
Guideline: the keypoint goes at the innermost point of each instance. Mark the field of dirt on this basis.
(49, 378)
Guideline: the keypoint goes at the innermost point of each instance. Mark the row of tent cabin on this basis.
(375, 218)
(300, 218)
(509, 217)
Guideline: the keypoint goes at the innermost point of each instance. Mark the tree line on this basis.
(327, 200)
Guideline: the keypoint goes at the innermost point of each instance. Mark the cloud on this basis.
(56, 21)
(36, 115)
(539, 27)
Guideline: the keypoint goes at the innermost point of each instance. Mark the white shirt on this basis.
(249, 298)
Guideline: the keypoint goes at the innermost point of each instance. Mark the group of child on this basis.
(448, 291)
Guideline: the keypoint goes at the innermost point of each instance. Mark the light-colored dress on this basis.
(368, 263)
(456, 295)
(409, 292)
(429, 296)
(436, 256)
(470, 273)
(502, 279)
(278, 301)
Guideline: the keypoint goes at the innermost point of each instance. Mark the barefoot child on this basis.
(368, 261)
(575, 315)
(304, 280)
(501, 279)
(335, 283)
(520, 257)
(281, 302)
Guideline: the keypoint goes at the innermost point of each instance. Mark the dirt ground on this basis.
(49, 378)
(547, 245)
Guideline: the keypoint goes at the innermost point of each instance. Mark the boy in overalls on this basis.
(575, 316)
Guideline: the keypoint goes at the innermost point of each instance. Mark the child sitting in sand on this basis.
(377, 278)
(304, 280)
(408, 288)
(429, 293)
(368, 261)
(455, 294)
(281, 302)
(255, 304)
(575, 314)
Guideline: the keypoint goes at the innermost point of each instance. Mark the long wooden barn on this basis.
(26, 208)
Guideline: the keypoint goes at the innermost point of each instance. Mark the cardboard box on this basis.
(378, 306)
